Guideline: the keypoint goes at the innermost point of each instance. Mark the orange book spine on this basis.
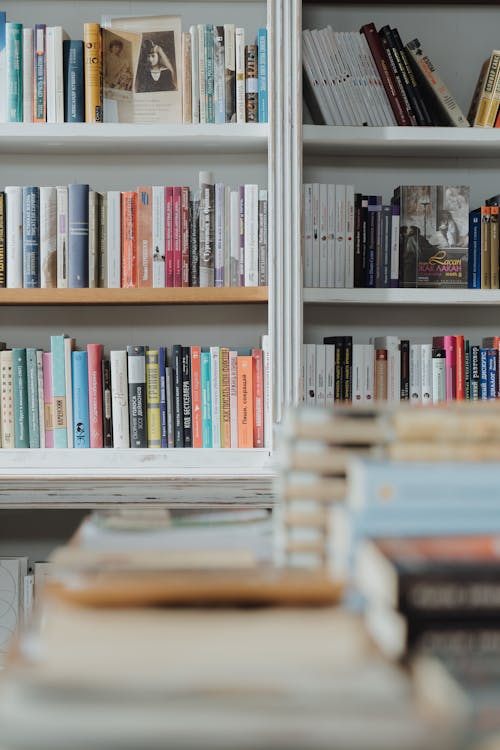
(196, 396)
(144, 237)
(92, 44)
(128, 271)
(258, 399)
(94, 354)
(225, 399)
(185, 235)
(460, 371)
(244, 366)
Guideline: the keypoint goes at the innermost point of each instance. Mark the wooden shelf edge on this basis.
(401, 297)
(183, 296)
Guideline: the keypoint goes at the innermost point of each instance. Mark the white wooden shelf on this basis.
(401, 141)
(125, 138)
(69, 478)
(429, 297)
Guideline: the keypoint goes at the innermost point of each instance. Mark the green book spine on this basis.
(20, 388)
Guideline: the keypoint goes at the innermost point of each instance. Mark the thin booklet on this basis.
(142, 69)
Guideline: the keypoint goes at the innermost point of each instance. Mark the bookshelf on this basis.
(458, 37)
(110, 156)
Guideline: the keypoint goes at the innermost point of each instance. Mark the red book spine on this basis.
(169, 249)
(460, 370)
(258, 399)
(94, 355)
(196, 396)
(450, 348)
(128, 239)
(185, 235)
(176, 236)
(386, 74)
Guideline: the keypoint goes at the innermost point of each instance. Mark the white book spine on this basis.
(415, 373)
(320, 396)
(50, 74)
(393, 369)
(307, 235)
(220, 230)
(230, 71)
(48, 237)
(323, 235)
(315, 235)
(233, 397)
(234, 200)
(158, 222)
(215, 391)
(310, 374)
(69, 345)
(340, 225)
(426, 373)
(14, 245)
(28, 588)
(240, 74)
(7, 399)
(438, 379)
(28, 75)
(369, 370)
(41, 406)
(59, 73)
(227, 236)
(358, 370)
(195, 75)
(330, 281)
(268, 390)
(329, 375)
(202, 72)
(219, 75)
(113, 234)
(251, 235)
(395, 247)
(349, 237)
(62, 236)
(94, 231)
(119, 399)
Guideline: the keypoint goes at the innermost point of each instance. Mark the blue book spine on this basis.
(262, 74)
(33, 413)
(483, 374)
(14, 55)
(474, 262)
(20, 388)
(80, 390)
(492, 365)
(3, 63)
(78, 242)
(206, 400)
(209, 72)
(74, 101)
(59, 391)
(31, 237)
(40, 73)
(162, 363)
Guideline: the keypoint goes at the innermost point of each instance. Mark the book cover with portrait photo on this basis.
(142, 69)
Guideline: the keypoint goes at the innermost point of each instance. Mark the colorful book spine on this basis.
(474, 260)
(3, 63)
(230, 72)
(162, 366)
(169, 236)
(177, 390)
(169, 402)
(33, 400)
(39, 74)
(251, 83)
(3, 240)
(208, 39)
(153, 398)
(216, 399)
(136, 361)
(207, 229)
(206, 399)
(196, 401)
(244, 366)
(225, 398)
(14, 50)
(74, 85)
(59, 391)
(185, 236)
(187, 421)
(31, 237)
(78, 236)
(94, 359)
(258, 398)
(41, 398)
(20, 390)
(219, 76)
(107, 412)
(81, 420)
(176, 235)
(92, 64)
(219, 234)
(194, 239)
(262, 75)
(128, 261)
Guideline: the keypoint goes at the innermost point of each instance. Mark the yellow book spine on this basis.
(93, 72)
(485, 101)
(153, 398)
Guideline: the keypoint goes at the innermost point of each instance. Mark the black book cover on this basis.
(194, 238)
(404, 348)
(421, 110)
(359, 279)
(186, 397)
(390, 51)
(364, 241)
(178, 410)
(107, 414)
(474, 372)
(343, 366)
(136, 360)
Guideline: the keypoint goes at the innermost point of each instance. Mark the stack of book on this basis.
(372, 78)
(155, 236)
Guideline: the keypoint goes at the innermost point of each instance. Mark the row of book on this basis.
(418, 239)
(155, 236)
(393, 369)
(142, 69)
(192, 397)
(372, 78)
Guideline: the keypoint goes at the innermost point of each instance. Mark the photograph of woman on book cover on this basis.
(118, 67)
(156, 69)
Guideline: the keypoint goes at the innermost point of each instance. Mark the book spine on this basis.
(206, 400)
(154, 435)
(194, 239)
(81, 420)
(202, 72)
(381, 374)
(48, 400)
(107, 404)
(169, 398)
(322, 273)
(6, 400)
(225, 399)
(485, 248)
(460, 368)
(95, 200)
(241, 242)
(483, 373)
(494, 247)
(426, 373)
(195, 72)
(329, 375)
(404, 349)
(48, 237)
(474, 372)
(207, 229)
(74, 85)
(208, 39)
(492, 369)
(187, 421)
(93, 72)
(219, 75)
(220, 198)
(169, 235)
(14, 236)
(216, 400)
(39, 74)
(136, 367)
(196, 401)
(69, 345)
(483, 118)
(421, 109)
(176, 235)
(245, 401)
(58, 74)
(438, 376)
(397, 71)
(59, 391)
(41, 404)
(177, 386)
(94, 359)
(31, 237)
(251, 249)
(185, 262)
(262, 238)
(3, 240)
(113, 239)
(62, 236)
(144, 237)
(474, 259)
(251, 83)
(78, 236)
(227, 235)
(20, 390)
(258, 398)
(3, 64)
(262, 76)
(230, 72)
(128, 261)
(162, 365)
(14, 54)
(234, 237)
(187, 114)
(233, 397)
(240, 74)
(158, 225)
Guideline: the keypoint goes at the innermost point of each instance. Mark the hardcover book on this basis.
(142, 79)
(434, 235)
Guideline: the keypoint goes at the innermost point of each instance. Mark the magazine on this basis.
(142, 69)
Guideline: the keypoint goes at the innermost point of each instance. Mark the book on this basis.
(14, 236)
(107, 413)
(94, 361)
(20, 391)
(154, 429)
(31, 237)
(136, 368)
(74, 87)
(143, 69)
(14, 71)
(251, 83)
(48, 237)
(119, 399)
(78, 235)
(187, 418)
(81, 416)
(92, 65)
(262, 74)
(39, 74)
